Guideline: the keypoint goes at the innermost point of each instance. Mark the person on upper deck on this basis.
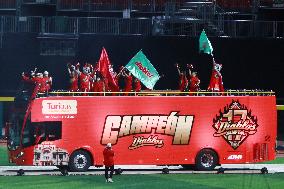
(216, 81)
(73, 77)
(194, 81)
(183, 81)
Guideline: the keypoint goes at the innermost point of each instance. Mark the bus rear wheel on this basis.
(79, 161)
(206, 160)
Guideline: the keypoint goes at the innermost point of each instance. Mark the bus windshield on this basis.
(14, 137)
(16, 120)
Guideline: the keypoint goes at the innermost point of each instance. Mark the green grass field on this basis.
(159, 181)
(4, 156)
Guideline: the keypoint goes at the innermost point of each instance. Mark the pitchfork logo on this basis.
(235, 124)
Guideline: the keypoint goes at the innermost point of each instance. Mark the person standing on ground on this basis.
(108, 162)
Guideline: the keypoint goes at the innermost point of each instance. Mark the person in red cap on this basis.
(216, 82)
(108, 162)
(40, 82)
(47, 81)
(37, 79)
(85, 79)
(73, 77)
(183, 82)
(193, 80)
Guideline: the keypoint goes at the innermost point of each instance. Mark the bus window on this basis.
(47, 131)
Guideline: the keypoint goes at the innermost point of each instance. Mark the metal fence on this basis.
(136, 26)
(264, 29)
(100, 5)
(39, 1)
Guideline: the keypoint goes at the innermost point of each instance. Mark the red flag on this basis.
(104, 66)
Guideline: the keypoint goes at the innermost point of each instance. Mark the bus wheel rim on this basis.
(207, 160)
(80, 161)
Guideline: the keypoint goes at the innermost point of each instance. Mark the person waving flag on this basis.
(143, 70)
(216, 81)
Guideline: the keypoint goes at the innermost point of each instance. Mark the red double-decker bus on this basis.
(151, 128)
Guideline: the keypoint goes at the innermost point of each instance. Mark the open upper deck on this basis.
(242, 92)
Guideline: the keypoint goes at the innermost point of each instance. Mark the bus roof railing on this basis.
(163, 93)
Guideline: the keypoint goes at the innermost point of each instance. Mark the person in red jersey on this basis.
(47, 80)
(216, 82)
(37, 79)
(128, 81)
(98, 84)
(108, 162)
(114, 87)
(85, 79)
(193, 80)
(73, 77)
(183, 81)
(40, 82)
(31, 77)
(137, 85)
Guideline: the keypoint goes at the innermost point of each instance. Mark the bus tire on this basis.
(80, 161)
(206, 160)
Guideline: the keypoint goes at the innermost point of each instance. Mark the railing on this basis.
(115, 26)
(12, 24)
(244, 5)
(115, 5)
(135, 26)
(60, 25)
(39, 1)
(164, 93)
(71, 4)
(231, 28)
(8, 4)
(264, 29)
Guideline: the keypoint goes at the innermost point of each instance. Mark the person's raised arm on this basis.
(178, 69)
(189, 66)
(77, 69)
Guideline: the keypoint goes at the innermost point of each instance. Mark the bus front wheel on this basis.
(206, 160)
(80, 160)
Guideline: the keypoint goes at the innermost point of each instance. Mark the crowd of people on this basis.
(42, 80)
(90, 79)
(191, 82)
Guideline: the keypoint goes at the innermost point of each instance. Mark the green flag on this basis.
(143, 70)
(204, 44)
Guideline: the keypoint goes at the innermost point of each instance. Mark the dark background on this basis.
(247, 63)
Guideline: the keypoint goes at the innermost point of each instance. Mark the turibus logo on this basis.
(178, 126)
(59, 107)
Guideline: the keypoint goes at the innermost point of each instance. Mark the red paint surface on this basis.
(86, 128)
